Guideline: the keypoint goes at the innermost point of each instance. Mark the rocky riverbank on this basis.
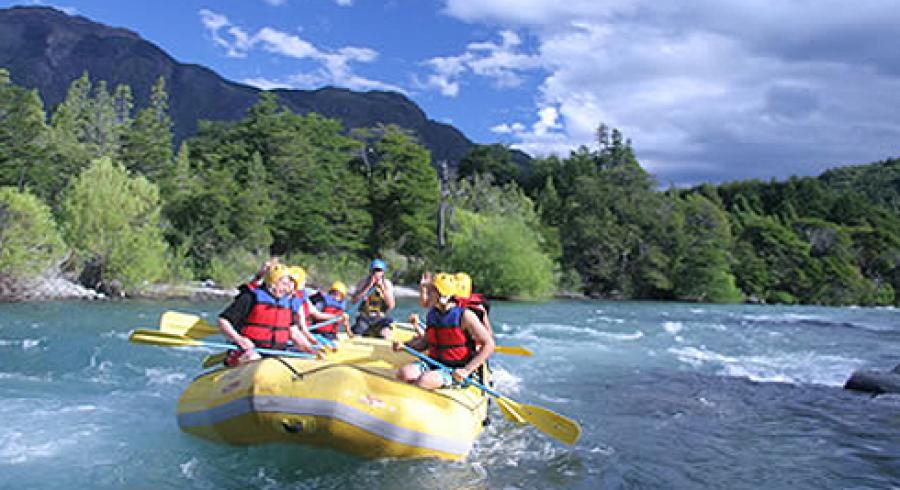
(44, 288)
(57, 287)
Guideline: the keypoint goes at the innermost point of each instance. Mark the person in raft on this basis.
(310, 314)
(475, 302)
(451, 335)
(373, 320)
(266, 316)
(334, 303)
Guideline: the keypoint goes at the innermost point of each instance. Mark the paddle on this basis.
(510, 350)
(561, 428)
(165, 339)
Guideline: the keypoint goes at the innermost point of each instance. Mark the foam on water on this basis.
(673, 327)
(21, 447)
(189, 468)
(569, 333)
(26, 344)
(506, 381)
(164, 376)
(798, 319)
(804, 367)
(26, 377)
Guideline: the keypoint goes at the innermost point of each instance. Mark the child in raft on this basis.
(451, 335)
(333, 303)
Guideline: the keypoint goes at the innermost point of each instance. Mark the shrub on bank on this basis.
(30, 242)
(502, 255)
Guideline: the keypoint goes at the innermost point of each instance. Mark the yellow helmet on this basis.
(298, 275)
(339, 287)
(445, 284)
(276, 272)
(463, 285)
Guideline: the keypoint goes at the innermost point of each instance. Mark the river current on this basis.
(669, 395)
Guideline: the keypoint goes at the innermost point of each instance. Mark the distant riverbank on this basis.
(49, 288)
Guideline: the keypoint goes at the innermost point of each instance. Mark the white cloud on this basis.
(710, 89)
(264, 83)
(501, 62)
(334, 66)
(275, 3)
(61, 8)
(285, 44)
(344, 3)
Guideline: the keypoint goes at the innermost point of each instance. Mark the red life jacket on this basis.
(474, 302)
(332, 306)
(269, 322)
(448, 341)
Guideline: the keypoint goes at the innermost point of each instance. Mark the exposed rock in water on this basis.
(46, 287)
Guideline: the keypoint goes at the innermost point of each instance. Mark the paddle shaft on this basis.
(510, 350)
(438, 365)
(261, 350)
(350, 312)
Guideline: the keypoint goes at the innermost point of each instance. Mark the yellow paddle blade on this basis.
(154, 337)
(561, 428)
(214, 359)
(512, 350)
(509, 413)
(186, 324)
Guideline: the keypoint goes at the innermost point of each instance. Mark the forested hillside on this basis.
(98, 189)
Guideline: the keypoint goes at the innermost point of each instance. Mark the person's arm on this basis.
(320, 316)
(361, 288)
(426, 292)
(301, 342)
(388, 294)
(233, 315)
(418, 343)
(471, 323)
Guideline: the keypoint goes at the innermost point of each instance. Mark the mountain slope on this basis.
(46, 49)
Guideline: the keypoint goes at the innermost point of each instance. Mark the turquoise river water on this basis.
(669, 396)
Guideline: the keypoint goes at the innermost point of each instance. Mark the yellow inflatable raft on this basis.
(349, 402)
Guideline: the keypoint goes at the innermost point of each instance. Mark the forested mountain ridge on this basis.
(46, 49)
(879, 181)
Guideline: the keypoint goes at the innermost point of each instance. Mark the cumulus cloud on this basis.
(334, 66)
(708, 90)
(503, 62)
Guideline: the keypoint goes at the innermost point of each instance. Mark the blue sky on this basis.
(708, 90)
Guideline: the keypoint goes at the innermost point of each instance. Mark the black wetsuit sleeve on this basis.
(238, 310)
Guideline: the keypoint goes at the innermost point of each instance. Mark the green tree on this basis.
(112, 221)
(102, 131)
(495, 160)
(703, 271)
(29, 240)
(147, 146)
(772, 263)
(404, 194)
(23, 140)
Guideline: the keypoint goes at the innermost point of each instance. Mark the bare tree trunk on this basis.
(443, 175)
